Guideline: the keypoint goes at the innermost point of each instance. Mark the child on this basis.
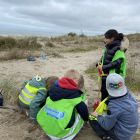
(31, 88)
(40, 98)
(121, 120)
(64, 113)
(113, 59)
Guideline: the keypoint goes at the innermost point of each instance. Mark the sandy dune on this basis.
(13, 125)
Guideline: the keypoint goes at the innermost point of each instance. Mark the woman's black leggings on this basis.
(104, 92)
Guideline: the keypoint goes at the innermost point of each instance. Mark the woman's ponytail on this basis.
(120, 36)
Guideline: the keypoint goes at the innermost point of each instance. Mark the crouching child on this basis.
(39, 101)
(30, 89)
(121, 120)
(65, 110)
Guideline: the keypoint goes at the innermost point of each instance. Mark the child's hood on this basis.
(67, 83)
(64, 88)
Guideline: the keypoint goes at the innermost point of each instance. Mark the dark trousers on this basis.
(100, 131)
(104, 92)
(1, 100)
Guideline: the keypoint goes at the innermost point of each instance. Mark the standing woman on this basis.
(113, 59)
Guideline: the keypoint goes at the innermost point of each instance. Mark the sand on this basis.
(15, 126)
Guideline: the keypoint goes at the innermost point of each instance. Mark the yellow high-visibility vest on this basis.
(28, 93)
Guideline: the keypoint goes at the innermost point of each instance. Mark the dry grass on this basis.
(10, 90)
(19, 47)
(29, 43)
(16, 53)
(79, 38)
(133, 70)
(133, 80)
(56, 55)
(22, 47)
(134, 37)
(50, 44)
(80, 49)
(13, 54)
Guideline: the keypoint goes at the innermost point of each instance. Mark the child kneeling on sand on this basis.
(121, 120)
(65, 110)
(33, 90)
(39, 100)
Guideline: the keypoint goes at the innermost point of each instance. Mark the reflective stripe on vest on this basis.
(71, 133)
(28, 93)
(24, 99)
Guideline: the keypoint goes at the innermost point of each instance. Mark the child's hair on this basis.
(81, 82)
(50, 80)
(75, 75)
(114, 34)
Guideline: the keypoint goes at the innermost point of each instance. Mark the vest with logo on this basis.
(55, 116)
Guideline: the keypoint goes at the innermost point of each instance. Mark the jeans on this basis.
(100, 131)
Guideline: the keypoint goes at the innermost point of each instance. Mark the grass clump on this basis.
(29, 43)
(133, 80)
(10, 91)
(14, 54)
(50, 44)
(81, 49)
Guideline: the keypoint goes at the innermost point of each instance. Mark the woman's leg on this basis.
(104, 92)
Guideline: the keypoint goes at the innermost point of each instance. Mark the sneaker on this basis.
(107, 138)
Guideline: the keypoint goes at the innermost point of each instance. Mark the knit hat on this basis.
(115, 85)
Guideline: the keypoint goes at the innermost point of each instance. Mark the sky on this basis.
(58, 17)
